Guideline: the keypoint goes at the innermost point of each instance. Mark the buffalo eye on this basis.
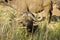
(6, 1)
(10, 0)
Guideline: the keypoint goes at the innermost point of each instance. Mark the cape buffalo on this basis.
(33, 6)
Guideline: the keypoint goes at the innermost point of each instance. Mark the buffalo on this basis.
(31, 8)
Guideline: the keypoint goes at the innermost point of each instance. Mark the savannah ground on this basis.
(10, 29)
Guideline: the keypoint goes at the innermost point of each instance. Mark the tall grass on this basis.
(10, 29)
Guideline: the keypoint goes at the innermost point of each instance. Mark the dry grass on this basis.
(10, 29)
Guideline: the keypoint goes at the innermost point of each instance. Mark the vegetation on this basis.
(10, 29)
